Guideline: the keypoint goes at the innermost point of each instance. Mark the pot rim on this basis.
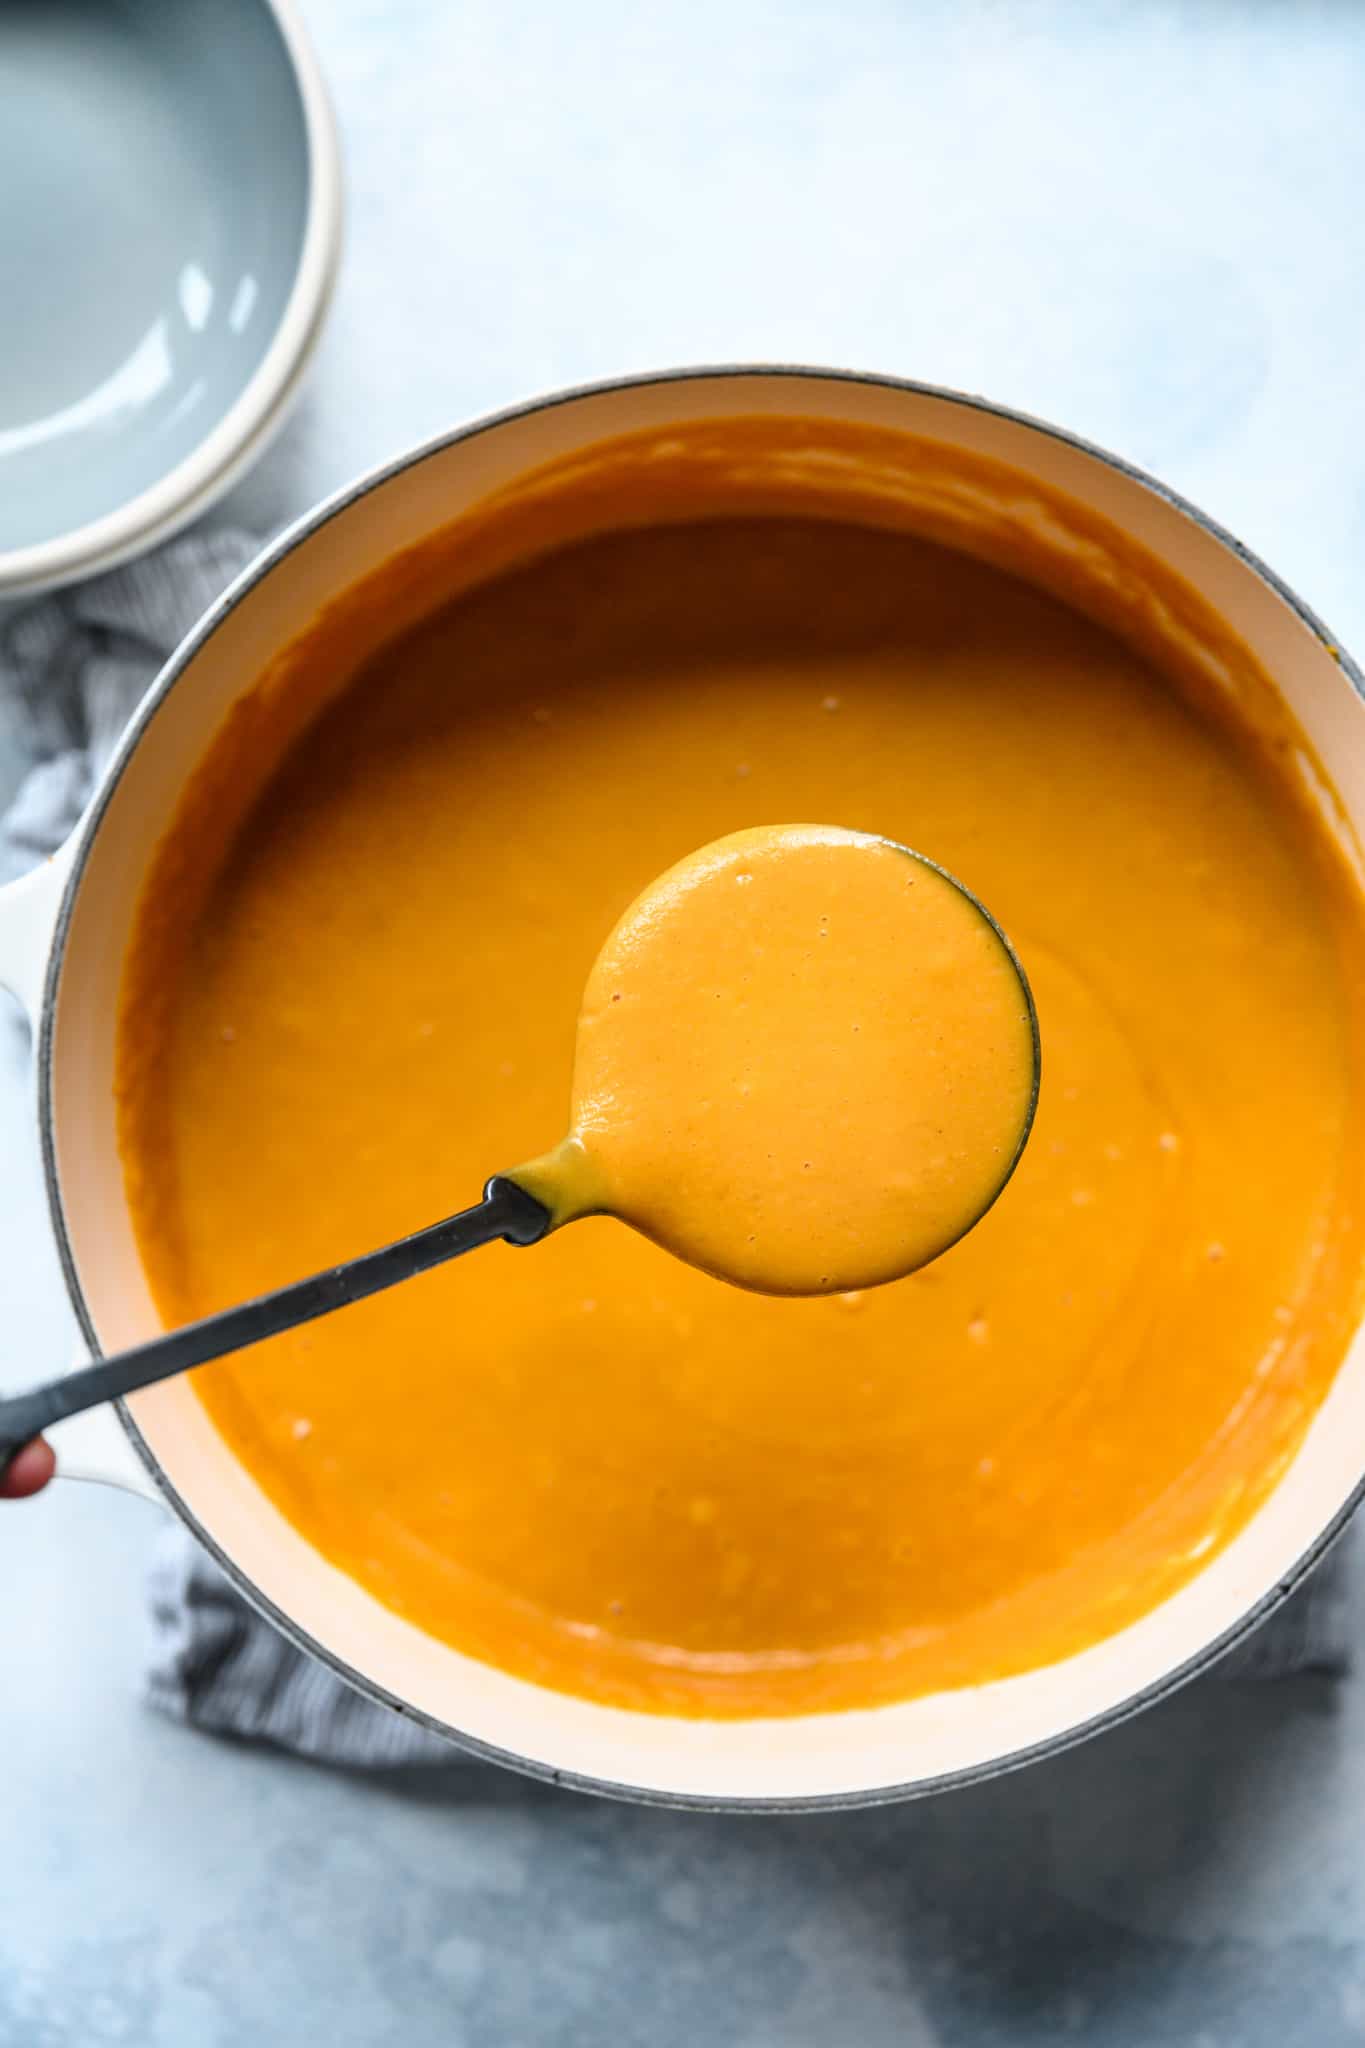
(87, 832)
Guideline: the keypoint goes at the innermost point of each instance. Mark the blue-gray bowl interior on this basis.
(153, 200)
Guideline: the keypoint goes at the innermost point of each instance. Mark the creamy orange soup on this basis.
(806, 1062)
(352, 992)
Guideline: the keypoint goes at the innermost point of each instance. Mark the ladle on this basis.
(510, 1212)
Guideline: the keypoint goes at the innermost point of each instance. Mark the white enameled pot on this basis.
(62, 936)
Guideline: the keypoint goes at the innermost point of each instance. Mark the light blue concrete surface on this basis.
(1144, 220)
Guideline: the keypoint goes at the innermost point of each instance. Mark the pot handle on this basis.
(28, 924)
(96, 1447)
(92, 1446)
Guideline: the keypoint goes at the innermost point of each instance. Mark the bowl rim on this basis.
(241, 434)
(81, 845)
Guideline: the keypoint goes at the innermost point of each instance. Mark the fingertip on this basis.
(29, 1473)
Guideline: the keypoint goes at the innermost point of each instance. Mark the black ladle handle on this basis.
(506, 1211)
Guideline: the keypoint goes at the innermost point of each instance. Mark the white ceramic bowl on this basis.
(170, 223)
(63, 933)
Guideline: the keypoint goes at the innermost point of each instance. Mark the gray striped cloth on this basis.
(72, 668)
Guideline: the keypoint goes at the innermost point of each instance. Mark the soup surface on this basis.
(598, 1466)
(805, 1062)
